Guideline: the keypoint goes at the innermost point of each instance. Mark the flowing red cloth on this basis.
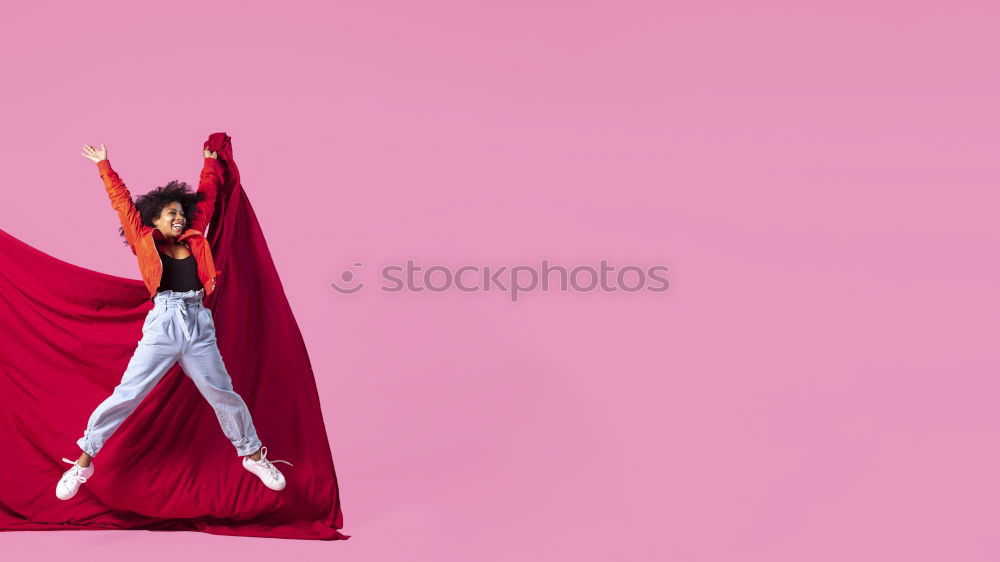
(66, 336)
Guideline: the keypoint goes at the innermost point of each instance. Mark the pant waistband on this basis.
(180, 302)
(171, 299)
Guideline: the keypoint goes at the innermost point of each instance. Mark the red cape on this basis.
(66, 336)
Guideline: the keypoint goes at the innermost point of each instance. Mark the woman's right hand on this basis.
(95, 154)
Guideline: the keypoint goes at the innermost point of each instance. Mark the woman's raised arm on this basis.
(211, 179)
(121, 199)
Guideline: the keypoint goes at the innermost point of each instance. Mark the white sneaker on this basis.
(265, 470)
(71, 480)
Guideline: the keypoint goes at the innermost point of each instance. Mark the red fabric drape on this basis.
(66, 336)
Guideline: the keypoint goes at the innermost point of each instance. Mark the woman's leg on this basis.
(84, 460)
(202, 362)
(155, 354)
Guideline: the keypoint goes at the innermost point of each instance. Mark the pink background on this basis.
(819, 383)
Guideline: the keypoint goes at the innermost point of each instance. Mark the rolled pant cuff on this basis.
(87, 447)
(248, 445)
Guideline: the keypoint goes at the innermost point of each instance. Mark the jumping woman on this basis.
(165, 230)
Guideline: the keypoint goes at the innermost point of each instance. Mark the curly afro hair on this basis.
(151, 204)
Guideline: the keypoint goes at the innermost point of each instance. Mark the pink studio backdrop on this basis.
(820, 381)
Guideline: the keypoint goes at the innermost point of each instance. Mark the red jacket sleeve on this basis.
(121, 201)
(211, 179)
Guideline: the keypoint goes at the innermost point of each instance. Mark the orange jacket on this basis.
(145, 240)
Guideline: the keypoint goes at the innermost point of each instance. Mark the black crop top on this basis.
(179, 274)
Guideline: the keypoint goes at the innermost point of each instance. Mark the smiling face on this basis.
(171, 222)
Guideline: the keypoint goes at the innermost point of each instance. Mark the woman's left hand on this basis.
(209, 154)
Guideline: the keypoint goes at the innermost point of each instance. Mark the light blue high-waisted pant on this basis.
(177, 328)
